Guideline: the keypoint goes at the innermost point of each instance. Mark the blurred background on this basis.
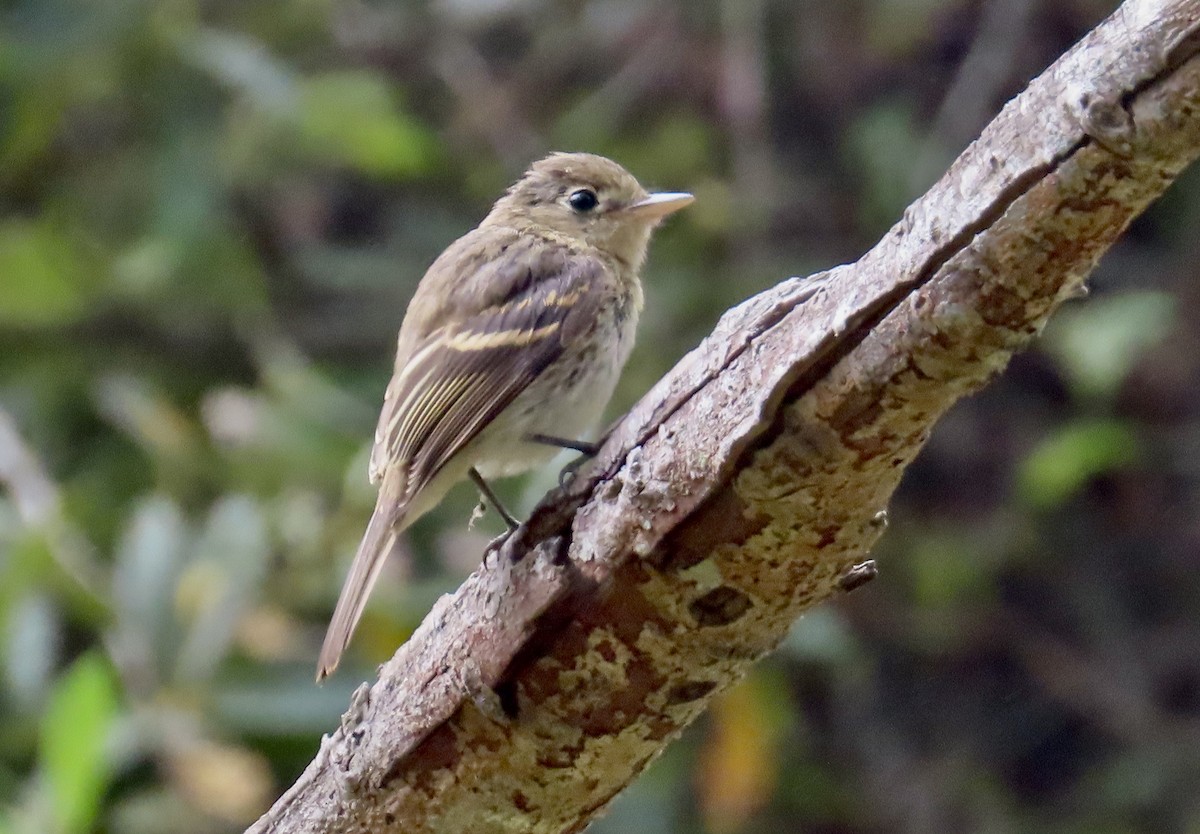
(212, 214)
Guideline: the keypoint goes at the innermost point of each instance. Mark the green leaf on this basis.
(948, 568)
(221, 583)
(75, 728)
(43, 279)
(34, 636)
(1098, 343)
(351, 118)
(1066, 461)
(242, 63)
(149, 559)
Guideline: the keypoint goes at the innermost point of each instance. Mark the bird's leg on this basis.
(490, 497)
(582, 446)
(586, 451)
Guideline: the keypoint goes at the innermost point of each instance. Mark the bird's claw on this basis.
(495, 546)
(498, 544)
(568, 472)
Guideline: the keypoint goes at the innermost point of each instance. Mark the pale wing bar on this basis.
(462, 378)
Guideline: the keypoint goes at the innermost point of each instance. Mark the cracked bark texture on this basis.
(754, 476)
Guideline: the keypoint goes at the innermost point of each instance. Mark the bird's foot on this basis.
(497, 545)
(568, 472)
(586, 450)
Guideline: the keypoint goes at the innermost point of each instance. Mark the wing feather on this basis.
(455, 379)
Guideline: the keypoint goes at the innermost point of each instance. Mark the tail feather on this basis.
(376, 544)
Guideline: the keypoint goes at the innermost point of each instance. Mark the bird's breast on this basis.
(568, 399)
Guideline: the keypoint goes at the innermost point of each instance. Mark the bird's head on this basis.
(589, 198)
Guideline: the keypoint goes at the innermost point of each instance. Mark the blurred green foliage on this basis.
(76, 724)
(212, 214)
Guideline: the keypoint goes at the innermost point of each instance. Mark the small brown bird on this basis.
(511, 346)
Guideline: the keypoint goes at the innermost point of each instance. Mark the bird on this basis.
(510, 349)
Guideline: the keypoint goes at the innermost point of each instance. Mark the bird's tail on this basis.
(377, 543)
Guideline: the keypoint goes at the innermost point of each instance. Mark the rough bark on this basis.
(749, 481)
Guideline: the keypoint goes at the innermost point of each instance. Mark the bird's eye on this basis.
(583, 200)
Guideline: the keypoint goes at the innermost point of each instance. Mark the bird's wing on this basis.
(455, 381)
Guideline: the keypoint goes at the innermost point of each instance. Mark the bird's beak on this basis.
(657, 206)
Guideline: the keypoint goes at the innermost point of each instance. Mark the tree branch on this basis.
(747, 484)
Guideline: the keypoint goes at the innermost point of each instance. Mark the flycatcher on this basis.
(512, 345)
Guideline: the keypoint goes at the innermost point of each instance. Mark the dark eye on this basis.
(583, 200)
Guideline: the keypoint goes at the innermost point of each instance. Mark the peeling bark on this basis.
(751, 482)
